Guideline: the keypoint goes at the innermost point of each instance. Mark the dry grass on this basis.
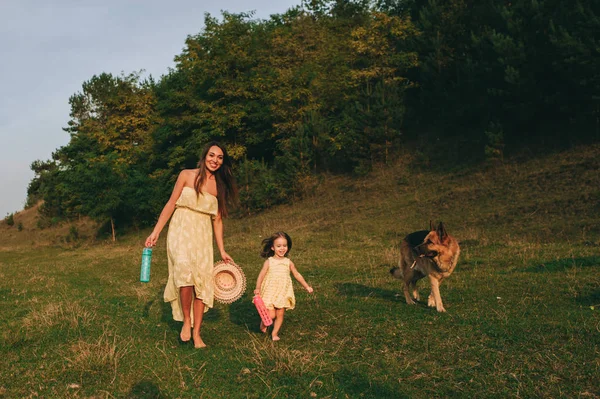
(32, 235)
(44, 316)
(102, 354)
(270, 357)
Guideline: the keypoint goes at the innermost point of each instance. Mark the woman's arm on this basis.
(299, 277)
(261, 276)
(218, 230)
(167, 211)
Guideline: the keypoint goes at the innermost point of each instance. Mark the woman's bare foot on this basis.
(263, 328)
(198, 343)
(186, 331)
(275, 338)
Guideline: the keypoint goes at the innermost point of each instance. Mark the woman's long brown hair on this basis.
(227, 191)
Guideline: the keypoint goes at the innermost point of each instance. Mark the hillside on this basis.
(521, 319)
(30, 229)
(551, 198)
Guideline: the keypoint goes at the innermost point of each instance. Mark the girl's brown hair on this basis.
(267, 244)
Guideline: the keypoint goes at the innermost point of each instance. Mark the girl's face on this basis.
(280, 247)
(214, 159)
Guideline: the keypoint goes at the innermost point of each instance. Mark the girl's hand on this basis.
(152, 239)
(309, 289)
(226, 258)
(256, 291)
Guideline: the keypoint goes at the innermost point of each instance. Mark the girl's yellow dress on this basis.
(190, 249)
(277, 290)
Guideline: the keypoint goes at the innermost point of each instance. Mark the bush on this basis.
(260, 186)
(494, 148)
(10, 219)
(20, 226)
(43, 222)
(73, 233)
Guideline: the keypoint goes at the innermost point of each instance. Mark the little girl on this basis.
(274, 283)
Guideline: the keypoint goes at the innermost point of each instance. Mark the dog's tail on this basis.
(396, 272)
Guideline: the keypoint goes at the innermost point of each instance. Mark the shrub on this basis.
(260, 186)
(494, 148)
(73, 233)
(43, 222)
(10, 219)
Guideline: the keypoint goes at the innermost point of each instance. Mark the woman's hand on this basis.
(226, 258)
(256, 291)
(309, 289)
(152, 239)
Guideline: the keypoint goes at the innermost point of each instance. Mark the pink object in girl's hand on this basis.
(262, 310)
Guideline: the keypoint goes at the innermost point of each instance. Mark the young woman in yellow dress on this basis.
(274, 283)
(197, 205)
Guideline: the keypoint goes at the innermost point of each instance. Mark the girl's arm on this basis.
(218, 230)
(299, 277)
(167, 211)
(261, 276)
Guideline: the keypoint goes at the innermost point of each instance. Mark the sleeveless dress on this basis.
(277, 290)
(190, 249)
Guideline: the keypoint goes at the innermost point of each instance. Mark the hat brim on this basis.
(230, 282)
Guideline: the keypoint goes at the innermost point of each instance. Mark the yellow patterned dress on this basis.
(277, 290)
(190, 249)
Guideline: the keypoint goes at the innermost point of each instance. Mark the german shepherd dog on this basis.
(432, 253)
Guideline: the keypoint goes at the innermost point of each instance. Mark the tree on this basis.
(110, 142)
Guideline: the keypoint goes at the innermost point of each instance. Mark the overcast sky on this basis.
(49, 48)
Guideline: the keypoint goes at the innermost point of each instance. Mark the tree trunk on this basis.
(112, 226)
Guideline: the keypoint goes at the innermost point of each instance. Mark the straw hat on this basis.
(230, 282)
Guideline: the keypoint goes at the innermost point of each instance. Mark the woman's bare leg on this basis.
(186, 294)
(279, 312)
(198, 314)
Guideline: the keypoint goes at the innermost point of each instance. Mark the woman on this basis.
(200, 197)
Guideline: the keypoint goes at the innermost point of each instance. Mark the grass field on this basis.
(523, 306)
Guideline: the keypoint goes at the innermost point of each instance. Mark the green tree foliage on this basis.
(328, 86)
(528, 66)
(45, 186)
(103, 170)
(300, 93)
(549, 52)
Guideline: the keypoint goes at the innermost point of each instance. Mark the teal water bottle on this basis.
(146, 261)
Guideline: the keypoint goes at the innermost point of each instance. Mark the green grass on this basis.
(523, 305)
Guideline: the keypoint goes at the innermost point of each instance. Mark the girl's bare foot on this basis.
(263, 328)
(198, 343)
(275, 338)
(186, 331)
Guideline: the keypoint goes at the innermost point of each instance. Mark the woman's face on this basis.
(214, 159)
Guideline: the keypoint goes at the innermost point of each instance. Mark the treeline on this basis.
(328, 86)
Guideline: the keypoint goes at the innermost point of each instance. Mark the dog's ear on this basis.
(441, 232)
(431, 227)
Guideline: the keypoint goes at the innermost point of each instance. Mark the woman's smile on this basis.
(214, 159)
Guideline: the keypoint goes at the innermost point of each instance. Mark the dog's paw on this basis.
(431, 302)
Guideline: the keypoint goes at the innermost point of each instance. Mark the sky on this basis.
(49, 48)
